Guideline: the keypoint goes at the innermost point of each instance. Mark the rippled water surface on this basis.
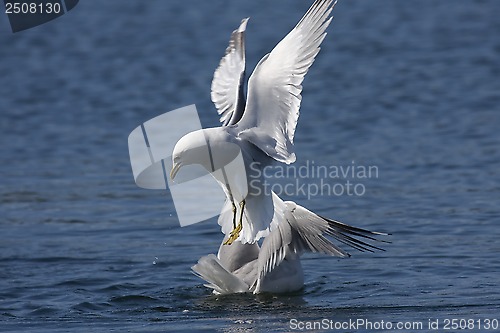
(411, 87)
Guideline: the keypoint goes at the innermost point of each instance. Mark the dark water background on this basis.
(409, 86)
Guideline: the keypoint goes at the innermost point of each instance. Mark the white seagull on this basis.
(261, 131)
(275, 266)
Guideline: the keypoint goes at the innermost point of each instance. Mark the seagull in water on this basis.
(261, 129)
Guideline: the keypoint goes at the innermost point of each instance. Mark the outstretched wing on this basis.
(304, 231)
(227, 84)
(274, 88)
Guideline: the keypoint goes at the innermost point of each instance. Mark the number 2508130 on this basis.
(32, 8)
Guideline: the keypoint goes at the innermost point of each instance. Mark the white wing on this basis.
(274, 88)
(227, 84)
(305, 231)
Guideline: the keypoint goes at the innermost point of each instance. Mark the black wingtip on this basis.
(344, 233)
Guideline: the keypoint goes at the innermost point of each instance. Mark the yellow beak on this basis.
(174, 170)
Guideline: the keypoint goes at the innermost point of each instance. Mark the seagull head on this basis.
(211, 148)
(192, 148)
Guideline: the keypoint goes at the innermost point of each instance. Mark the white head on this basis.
(208, 148)
(192, 148)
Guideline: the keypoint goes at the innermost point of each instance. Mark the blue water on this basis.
(411, 87)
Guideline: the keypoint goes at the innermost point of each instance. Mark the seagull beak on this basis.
(174, 170)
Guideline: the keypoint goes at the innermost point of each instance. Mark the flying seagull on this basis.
(261, 129)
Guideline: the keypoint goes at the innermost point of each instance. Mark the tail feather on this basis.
(219, 279)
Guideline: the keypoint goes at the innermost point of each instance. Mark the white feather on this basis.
(227, 92)
(274, 88)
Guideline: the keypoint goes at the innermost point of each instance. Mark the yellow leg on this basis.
(234, 215)
(237, 228)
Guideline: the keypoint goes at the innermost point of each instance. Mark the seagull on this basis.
(275, 266)
(260, 130)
